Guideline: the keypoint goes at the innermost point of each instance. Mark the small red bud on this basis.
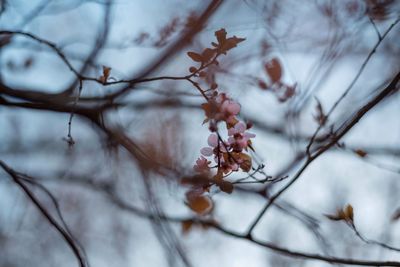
(249, 124)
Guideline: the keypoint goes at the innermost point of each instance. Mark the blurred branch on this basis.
(390, 89)
(353, 82)
(64, 233)
(108, 190)
(371, 242)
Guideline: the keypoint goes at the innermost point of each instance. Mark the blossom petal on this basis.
(240, 127)
(201, 165)
(233, 108)
(207, 151)
(249, 135)
(213, 140)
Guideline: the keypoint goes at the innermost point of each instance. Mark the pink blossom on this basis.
(230, 108)
(201, 165)
(207, 151)
(222, 108)
(212, 140)
(213, 143)
(239, 128)
(238, 138)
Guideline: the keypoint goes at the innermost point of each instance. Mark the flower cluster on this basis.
(229, 155)
(225, 155)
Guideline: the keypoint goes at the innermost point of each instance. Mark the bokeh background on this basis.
(103, 195)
